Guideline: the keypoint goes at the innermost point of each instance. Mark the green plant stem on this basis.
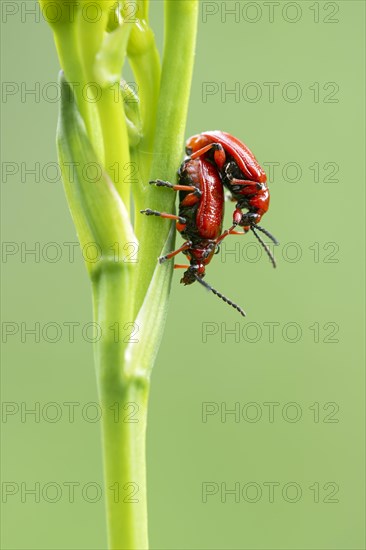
(179, 46)
(123, 437)
(125, 468)
(127, 297)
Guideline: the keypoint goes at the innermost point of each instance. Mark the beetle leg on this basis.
(237, 216)
(190, 199)
(184, 246)
(219, 153)
(225, 234)
(150, 212)
(162, 183)
(180, 266)
(246, 187)
(250, 183)
(252, 186)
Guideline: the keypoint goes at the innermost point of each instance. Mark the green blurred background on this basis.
(308, 372)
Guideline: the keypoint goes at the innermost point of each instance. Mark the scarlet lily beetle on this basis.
(199, 220)
(242, 176)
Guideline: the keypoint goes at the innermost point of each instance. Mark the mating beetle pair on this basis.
(216, 159)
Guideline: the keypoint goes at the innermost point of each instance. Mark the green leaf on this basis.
(140, 356)
(98, 212)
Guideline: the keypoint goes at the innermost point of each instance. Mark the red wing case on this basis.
(211, 209)
(242, 155)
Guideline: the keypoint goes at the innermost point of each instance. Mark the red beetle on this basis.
(241, 174)
(199, 221)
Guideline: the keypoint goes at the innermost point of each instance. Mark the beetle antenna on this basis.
(214, 291)
(268, 234)
(269, 253)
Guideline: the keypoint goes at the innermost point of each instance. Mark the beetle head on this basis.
(194, 272)
(248, 219)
